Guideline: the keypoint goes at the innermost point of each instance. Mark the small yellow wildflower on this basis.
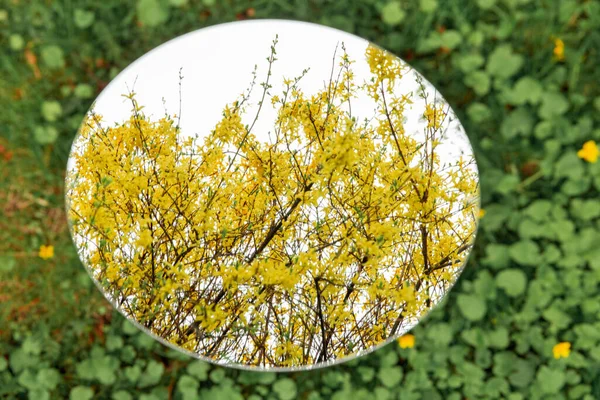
(589, 152)
(559, 49)
(562, 349)
(46, 252)
(434, 116)
(481, 213)
(406, 341)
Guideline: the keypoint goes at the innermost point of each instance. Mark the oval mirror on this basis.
(272, 194)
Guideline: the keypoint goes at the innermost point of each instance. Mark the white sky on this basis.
(217, 64)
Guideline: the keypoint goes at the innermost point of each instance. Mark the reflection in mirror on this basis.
(259, 202)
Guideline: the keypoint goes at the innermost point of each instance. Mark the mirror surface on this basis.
(272, 194)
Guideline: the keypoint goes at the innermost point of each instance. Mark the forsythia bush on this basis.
(323, 241)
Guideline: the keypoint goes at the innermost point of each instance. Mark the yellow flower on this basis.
(561, 350)
(407, 341)
(46, 252)
(481, 213)
(559, 49)
(145, 238)
(589, 152)
(434, 116)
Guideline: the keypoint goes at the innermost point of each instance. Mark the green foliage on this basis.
(526, 90)
(428, 6)
(390, 376)
(16, 41)
(7, 264)
(392, 13)
(81, 393)
(553, 105)
(285, 388)
(45, 134)
(51, 110)
(513, 281)
(100, 367)
(550, 380)
(525, 252)
(53, 57)
(199, 370)
(84, 91)
(474, 346)
(83, 18)
(479, 81)
(152, 12)
(472, 307)
(503, 62)
(152, 374)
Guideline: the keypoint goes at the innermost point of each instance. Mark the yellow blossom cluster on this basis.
(46, 252)
(406, 341)
(589, 151)
(561, 350)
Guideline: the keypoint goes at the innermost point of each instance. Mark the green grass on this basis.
(531, 282)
